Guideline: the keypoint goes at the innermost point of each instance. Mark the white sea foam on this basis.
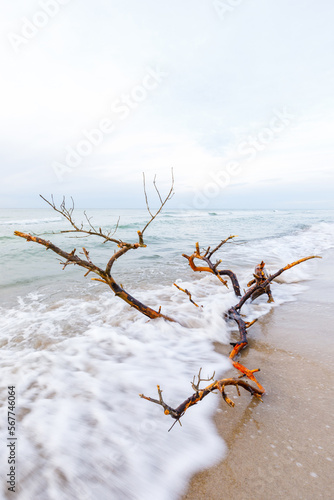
(79, 362)
(78, 367)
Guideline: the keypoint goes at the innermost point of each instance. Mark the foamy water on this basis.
(79, 356)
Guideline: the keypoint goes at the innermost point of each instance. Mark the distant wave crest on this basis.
(30, 221)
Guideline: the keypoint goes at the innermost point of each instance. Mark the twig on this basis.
(104, 276)
(262, 281)
(200, 394)
(213, 268)
(67, 214)
(163, 202)
(188, 293)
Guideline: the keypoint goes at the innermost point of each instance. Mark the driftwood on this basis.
(256, 287)
(104, 274)
(259, 285)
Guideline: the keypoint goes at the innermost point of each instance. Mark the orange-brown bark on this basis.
(90, 230)
(184, 290)
(105, 276)
(258, 286)
(213, 268)
(200, 394)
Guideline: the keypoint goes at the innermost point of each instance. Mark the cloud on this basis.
(225, 78)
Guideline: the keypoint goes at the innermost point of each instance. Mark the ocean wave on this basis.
(314, 238)
(80, 359)
(80, 363)
(30, 221)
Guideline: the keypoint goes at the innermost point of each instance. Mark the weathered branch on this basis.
(212, 268)
(104, 275)
(234, 280)
(200, 394)
(162, 202)
(209, 255)
(125, 248)
(200, 379)
(262, 281)
(70, 257)
(187, 293)
(259, 285)
(67, 214)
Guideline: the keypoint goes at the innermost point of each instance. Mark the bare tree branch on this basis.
(104, 275)
(162, 202)
(67, 214)
(264, 280)
(200, 394)
(213, 268)
(221, 244)
(186, 292)
(157, 190)
(146, 199)
(261, 285)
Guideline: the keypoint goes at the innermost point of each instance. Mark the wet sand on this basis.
(283, 447)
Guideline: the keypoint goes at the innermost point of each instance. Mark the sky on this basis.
(235, 95)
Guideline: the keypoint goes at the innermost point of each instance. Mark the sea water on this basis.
(78, 356)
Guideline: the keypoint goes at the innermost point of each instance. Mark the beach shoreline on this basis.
(65, 340)
(281, 448)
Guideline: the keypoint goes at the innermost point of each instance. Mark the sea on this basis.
(78, 357)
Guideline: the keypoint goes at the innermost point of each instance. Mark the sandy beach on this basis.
(283, 447)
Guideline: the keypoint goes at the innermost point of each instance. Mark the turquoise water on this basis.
(79, 356)
(26, 266)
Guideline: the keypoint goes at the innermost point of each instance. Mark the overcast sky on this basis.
(235, 95)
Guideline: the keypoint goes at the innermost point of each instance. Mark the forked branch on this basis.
(67, 213)
(263, 280)
(259, 285)
(104, 275)
(213, 267)
(163, 202)
(200, 394)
